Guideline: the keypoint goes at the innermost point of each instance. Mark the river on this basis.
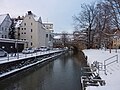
(61, 74)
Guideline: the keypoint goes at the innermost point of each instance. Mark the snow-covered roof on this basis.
(2, 17)
(38, 19)
(48, 23)
(18, 23)
(57, 37)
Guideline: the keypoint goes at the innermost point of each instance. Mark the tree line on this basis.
(100, 17)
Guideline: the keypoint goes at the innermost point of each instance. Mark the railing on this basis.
(16, 56)
(110, 62)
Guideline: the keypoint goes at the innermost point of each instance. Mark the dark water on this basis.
(61, 74)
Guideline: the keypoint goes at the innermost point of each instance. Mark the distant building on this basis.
(48, 26)
(116, 39)
(5, 24)
(10, 45)
(32, 30)
(49, 30)
(57, 41)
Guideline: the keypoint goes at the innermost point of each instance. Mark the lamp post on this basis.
(16, 48)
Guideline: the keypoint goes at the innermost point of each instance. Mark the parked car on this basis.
(44, 48)
(3, 53)
(28, 50)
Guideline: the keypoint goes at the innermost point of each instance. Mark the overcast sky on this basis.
(59, 12)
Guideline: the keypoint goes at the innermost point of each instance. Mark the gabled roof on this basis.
(38, 19)
(2, 17)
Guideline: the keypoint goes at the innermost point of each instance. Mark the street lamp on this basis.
(16, 48)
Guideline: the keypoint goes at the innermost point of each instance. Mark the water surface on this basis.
(61, 74)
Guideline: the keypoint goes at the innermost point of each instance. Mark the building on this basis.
(9, 45)
(57, 41)
(48, 26)
(116, 39)
(32, 30)
(5, 24)
(49, 31)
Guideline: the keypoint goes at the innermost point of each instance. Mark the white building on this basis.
(49, 26)
(33, 30)
(49, 29)
(5, 23)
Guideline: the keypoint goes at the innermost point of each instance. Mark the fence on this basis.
(110, 61)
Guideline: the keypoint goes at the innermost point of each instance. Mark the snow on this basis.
(113, 70)
(18, 23)
(57, 37)
(25, 56)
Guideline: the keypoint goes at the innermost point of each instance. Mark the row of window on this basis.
(26, 24)
(4, 36)
(25, 29)
(4, 29)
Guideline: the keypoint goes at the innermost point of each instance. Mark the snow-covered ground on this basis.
(113, 70)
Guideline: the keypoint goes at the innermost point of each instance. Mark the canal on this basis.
(61, 74)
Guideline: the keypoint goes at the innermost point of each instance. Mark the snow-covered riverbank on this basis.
(113, 70)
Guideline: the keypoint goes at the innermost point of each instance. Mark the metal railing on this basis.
(106, 63)
(17, 56)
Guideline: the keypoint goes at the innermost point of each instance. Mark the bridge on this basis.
(75, 40)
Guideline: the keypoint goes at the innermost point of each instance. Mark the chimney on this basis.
(29, 13)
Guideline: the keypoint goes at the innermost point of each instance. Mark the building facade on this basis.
(33, 31)
(5, 24)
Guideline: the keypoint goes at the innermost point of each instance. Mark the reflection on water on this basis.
(60, 74)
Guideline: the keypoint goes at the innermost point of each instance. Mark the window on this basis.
(5, 29)
(31, 37)
(2, 28)
(31, 30)
(31, 24)
(24, 32)
(24, 28)
(5, 36)
(24, 24)
(46, 35)
(2, 36)
(31, 43)
(29, 17)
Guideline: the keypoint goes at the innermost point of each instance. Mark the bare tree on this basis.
(115, 12)
(64, 38)
(86, 20)
(12, 30)
(102, 20)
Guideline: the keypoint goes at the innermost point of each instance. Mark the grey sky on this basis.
(59, 12)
